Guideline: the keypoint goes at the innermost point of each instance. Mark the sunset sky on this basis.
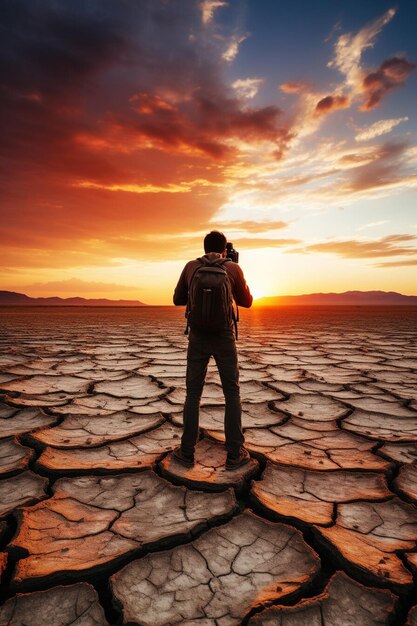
(130, 128)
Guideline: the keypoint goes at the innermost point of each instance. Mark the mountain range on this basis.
(348, 298)
(12, 298)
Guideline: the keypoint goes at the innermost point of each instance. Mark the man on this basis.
(220, 344)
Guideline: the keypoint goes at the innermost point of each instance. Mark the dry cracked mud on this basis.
(222, 573)
(85, 432)
(142, 451)
(91, 521)
(13, 456)
(369, 535)
(344, 602)
(77, 605)
(310, 496)
(100, 526)
(311, 445)
(19, 490)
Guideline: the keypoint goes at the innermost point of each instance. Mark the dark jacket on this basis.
(241, 294)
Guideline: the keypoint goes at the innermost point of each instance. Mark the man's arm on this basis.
(241, 292)
(181, 290)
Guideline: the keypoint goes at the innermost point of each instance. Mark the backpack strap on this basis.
(235, 316)
(202, 261)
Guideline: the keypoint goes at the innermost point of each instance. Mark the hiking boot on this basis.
(185, 459)
(233, 461)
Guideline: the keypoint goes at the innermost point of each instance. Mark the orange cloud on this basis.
(149, 103)
(135, 188)
(390, 75)
(294, 86)
(401, 263)
(386, 165)
(357, 249)
(263, 242)
(253, 226)
(331, 103)
(93, 226)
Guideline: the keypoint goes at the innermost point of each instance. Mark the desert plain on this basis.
(100, 526)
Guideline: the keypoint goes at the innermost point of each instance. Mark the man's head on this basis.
(215, 242)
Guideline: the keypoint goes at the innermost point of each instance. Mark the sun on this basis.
(258, 293)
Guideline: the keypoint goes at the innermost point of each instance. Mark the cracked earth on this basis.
(101, 526)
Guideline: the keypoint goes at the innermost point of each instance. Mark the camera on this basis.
(231, 253)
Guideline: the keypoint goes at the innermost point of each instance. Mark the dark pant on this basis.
(222, 347)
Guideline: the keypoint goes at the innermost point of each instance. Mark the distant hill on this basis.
(348, 298)
(11, 298)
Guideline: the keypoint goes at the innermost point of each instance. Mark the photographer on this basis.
(208, 286)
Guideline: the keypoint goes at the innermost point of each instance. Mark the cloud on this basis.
(332, 103)
(391, 74)
(253, 226)
(372, 224)
(233, 46)
(401, 263)
(76, 286)
(353, 159)
(320, 177)
(247, 87)
(382, 127)
(263, 242)
(349, 48)
(208, 8)
(310, 111)
(133, 188)
(92, 228)
(360, 86)
(335, 28)
(219, 119)
(386, 165)
(359, 249)
(294, 86)
(369, 85)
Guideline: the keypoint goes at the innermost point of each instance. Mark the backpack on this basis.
(210, 298)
